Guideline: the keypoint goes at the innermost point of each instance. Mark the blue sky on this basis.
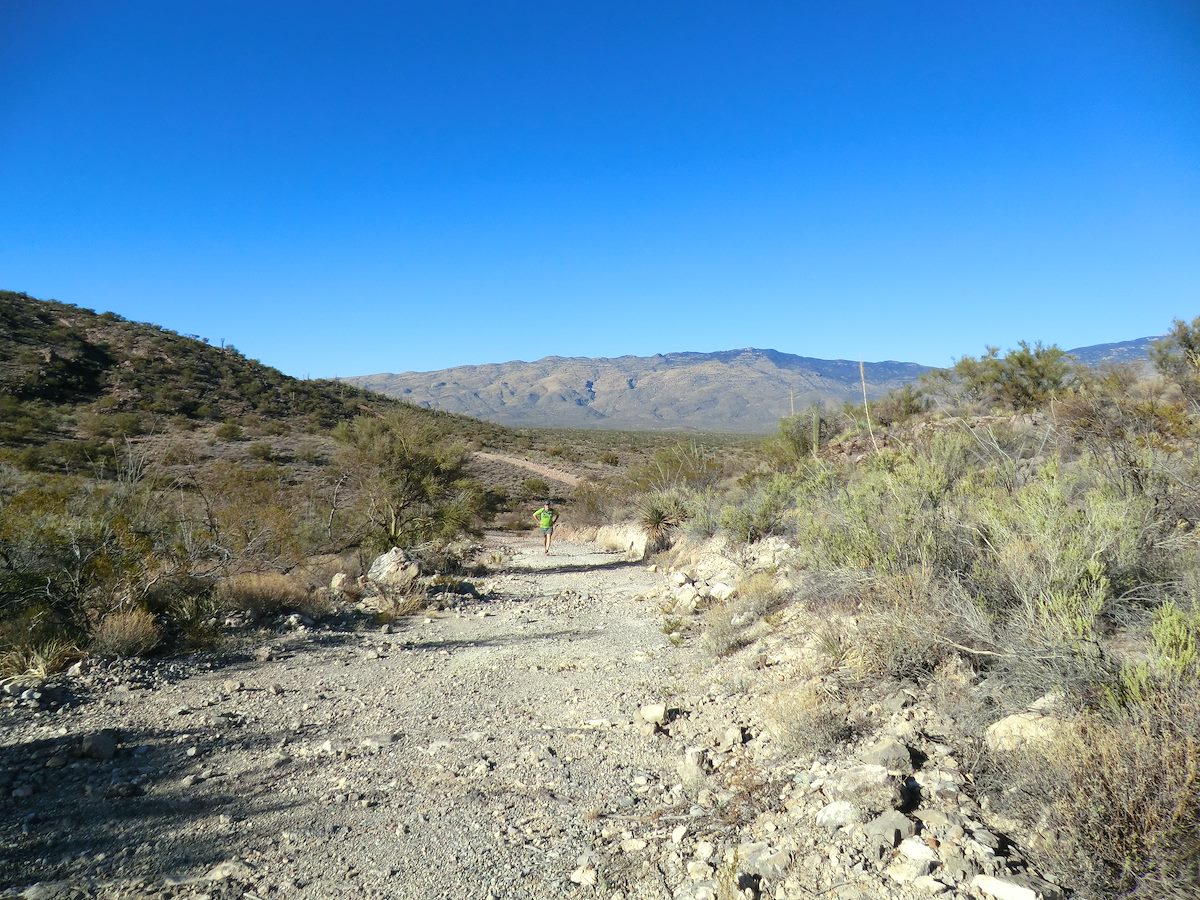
(356, 187)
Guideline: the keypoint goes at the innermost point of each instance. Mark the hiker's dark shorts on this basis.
(548, 529)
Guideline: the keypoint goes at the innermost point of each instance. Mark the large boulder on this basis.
(394, 570)
(628, 539)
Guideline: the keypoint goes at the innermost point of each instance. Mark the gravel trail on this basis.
(475, 752)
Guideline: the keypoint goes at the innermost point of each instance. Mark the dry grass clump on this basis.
(902, 632)
(265, 594)
(126, 632)
(37, 659)
(808, 720)
(1121, 797)
(396, 603)
(738, 621)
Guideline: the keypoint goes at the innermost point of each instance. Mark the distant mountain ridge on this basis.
(746, 390)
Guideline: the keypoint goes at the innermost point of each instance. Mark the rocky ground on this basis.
(547, 738)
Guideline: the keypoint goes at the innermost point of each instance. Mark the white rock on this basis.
(585, 875)
(393, 569)
(916, 848)
(341, 583)
(1015, 887)
(231, 868)
(698, 871)
(655, 713)
(836, 815)
(720, 591)
(633, 845)
(930, 885)
(704, 851)
(760, 858)
(1027, 730)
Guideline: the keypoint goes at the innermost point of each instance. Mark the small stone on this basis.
(633, 845)
(584, 875)
(233, 868)
(101, 745)
(276, 689)
(732, 737)
(655, 713)
(230, 686)
(678, 834)
(836, 815)
(123, 789)
(891, 754)
(23, 792)
(891, 828)
(264, 654)
(1015, 887)
(698, 871)
(763, 860)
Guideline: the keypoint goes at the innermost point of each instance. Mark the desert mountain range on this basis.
(734, 390)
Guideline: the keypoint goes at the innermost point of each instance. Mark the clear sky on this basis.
(349, 188)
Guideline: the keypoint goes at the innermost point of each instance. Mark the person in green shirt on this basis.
(546, 517)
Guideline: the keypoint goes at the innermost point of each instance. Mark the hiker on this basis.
(546, 517)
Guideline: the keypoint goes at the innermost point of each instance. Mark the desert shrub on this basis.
(128, 631)
(230, 431)
(1052, 548)
(609, 458)
(758, 510)
(193, 620)
(1121, 794)
(690, 465)
(702, 512)
(265, 594)
(900, 509)
(260, 450)
(396, 603)
(898, 406)
(799, 437)
(1023, 379)
(535, 488)
(810, 719)
(1177, 357)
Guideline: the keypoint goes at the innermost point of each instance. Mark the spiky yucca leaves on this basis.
(657, 515)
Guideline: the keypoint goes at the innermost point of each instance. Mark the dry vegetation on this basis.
(1018, 518)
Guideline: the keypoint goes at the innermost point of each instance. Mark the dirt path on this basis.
(536, 468)
(479, 752)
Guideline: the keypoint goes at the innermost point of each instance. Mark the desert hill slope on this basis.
(65, 367)
(734, 390)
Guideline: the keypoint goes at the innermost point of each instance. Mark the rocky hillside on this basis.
(1135, 351)
(735, 390)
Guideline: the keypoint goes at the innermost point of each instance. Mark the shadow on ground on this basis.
(124, 818)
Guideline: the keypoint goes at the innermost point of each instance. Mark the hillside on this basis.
(736, 390)
(744, 391)
(70, 375)
(61, 354)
